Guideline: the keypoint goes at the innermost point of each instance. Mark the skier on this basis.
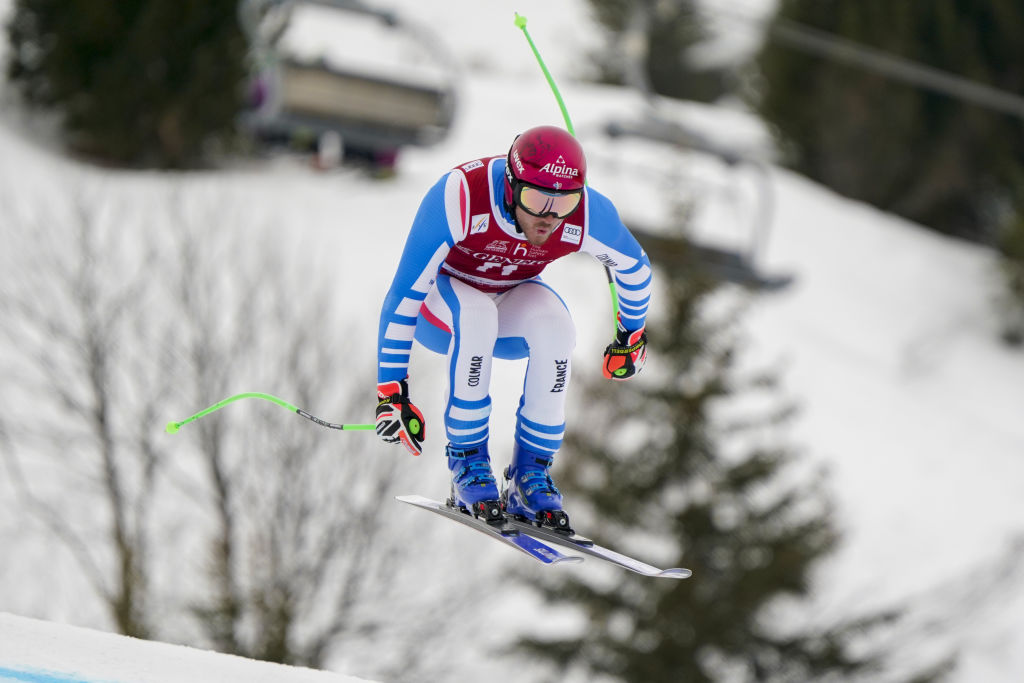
(468, 286)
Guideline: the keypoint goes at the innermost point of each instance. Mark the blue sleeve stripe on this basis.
(391, 374)
(635, 278)
(634, 301)
(633, 288)
(424, 247)
(634, 311)
(395, 345)
(384, 357)
(403, 320)
(639, 265)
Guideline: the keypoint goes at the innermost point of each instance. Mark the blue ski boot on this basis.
(529, 492)
(473, 485)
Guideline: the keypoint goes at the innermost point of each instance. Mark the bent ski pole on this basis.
(520, 22)
(173, 427)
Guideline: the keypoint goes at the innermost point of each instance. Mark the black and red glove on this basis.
(398, 420)
(625, 356)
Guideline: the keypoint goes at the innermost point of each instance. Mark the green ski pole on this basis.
(173, 427)
(520, 22)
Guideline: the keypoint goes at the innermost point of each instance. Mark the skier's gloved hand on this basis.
(625, 356)
(398, 420)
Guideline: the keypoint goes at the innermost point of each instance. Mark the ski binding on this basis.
(495, 526)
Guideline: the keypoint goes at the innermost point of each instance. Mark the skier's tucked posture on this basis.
(468, 285)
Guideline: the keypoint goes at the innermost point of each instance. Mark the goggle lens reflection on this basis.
(540, 202)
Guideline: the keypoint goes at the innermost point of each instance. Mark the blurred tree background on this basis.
(1012, 299)
(934, 159)
(944, 162)
(158, 83)
(144, 83)
(252, 532)
(649, 45)
(721, 488)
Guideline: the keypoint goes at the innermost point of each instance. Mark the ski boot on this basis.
(529, 492)
(473, 487)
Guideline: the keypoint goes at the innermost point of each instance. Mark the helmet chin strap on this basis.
(515, 219)
(511, 207)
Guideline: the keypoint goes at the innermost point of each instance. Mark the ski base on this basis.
(500, 531)
(588, 547)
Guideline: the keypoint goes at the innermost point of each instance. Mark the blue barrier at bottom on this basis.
(39, 677)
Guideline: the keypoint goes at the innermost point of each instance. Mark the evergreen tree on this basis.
(933, 159)
(1011, 246)
(653, 461)
(135, 82)
(649, 41)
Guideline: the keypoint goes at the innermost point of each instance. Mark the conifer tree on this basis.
(135, 82)
(932, 158)
(1012, 269)
(653, 462)
(649, 41)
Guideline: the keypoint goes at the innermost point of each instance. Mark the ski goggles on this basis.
(537, 201)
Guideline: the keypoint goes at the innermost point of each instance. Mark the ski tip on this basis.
(675, 573)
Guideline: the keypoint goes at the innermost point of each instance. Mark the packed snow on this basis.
(33, 651)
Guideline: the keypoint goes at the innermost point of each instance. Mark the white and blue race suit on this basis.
(468, 285)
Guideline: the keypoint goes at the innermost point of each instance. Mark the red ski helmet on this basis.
(545, 157)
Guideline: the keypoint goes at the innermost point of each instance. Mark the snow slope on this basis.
(889, 342)
(35, 651)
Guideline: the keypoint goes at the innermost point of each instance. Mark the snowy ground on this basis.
(34, 651)
(887, 340)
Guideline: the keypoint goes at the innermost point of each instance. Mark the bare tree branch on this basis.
(269, 535)
(77, 316)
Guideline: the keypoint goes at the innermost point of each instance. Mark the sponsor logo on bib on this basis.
(479, 223)
(571, 233)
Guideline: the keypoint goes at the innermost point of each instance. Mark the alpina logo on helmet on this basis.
(560, 170)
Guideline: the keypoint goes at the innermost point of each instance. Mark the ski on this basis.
(588, 547)
(499, 531)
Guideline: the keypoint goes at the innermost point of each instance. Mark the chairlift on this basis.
(738, 265)
(336, 77)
